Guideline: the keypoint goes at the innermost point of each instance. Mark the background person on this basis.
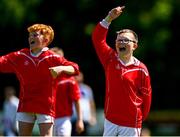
(10, 105)
(68, 92)
(87, 104)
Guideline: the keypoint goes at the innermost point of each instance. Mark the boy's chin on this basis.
(33, 47)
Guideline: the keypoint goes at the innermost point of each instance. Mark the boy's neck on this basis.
(36, 51)
(127, 60)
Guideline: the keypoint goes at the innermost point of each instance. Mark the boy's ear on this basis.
(135, 46)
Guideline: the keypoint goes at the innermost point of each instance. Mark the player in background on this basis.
(128, 87)
(67, 93)
(10, 105)
(37, 68)
(87, 104)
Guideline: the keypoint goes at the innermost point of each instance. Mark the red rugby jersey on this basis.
(67, 92)
(37, 87)
(128, 88)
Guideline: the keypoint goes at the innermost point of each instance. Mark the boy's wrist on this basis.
(108, 18)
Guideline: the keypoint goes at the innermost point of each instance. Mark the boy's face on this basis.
(125, 44)
(36, 40)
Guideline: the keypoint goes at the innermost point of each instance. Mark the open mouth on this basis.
(122, 49)
(32, 42)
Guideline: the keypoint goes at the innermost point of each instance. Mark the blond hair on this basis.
(45, 30)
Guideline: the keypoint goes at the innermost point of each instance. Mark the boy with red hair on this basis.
(37, 68)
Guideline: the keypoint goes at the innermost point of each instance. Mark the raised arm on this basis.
(99, 35)
(114, 13)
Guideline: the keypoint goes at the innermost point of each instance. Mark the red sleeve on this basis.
(99, 41)
(7, 63)
(75, 91)
(146, 91)
(65, 62)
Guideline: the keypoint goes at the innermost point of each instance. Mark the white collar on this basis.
(134, 61)
(39, 53)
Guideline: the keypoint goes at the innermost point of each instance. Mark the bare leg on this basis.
(46, 129)
(25, 129)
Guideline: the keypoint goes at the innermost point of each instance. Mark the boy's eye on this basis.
(34, 34)
(125, 41)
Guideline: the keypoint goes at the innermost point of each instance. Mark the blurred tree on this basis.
(15, 12)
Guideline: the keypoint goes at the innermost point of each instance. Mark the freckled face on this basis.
(35, 40)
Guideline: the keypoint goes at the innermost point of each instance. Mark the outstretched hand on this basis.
(114, 13)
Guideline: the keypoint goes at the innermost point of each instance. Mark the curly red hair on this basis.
(45, 30)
